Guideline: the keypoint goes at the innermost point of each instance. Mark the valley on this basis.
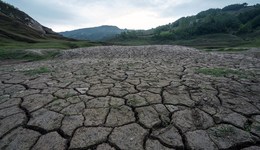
(192, 84)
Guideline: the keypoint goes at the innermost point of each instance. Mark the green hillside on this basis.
(18, 31)
(233, 25)
(18, 26)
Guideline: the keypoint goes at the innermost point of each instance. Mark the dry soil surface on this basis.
(132, 98)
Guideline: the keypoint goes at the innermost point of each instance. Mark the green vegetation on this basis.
(233, 28)
(37, 71)
(236, 25)
(230, 49)
(220, 72)
(27, 55)
(45, 44)
(21, 50)
(235, 19)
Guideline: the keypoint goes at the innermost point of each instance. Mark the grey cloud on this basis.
(42, 11)
(197, 6)
(75, 12)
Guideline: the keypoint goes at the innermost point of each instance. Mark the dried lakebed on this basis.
(133, 98)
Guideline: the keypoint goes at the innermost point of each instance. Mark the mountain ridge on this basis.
(237, 22)
(99, 33)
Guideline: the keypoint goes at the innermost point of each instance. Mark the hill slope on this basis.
(19, 31)
(18, 26)
(100, 33)
(233, 24)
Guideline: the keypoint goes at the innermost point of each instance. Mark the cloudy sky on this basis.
(63, 15)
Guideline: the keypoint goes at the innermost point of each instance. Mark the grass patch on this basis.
(230, 49)
(27, 55)
(17, 50)
(37, 71)
(233, 49)
(45, 44)
(220, 72)
(209, 41)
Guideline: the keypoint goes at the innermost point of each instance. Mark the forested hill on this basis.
(234, 20)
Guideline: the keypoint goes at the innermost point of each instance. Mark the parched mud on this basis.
(143, 97)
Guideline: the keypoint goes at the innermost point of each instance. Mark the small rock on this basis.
(82, 90)
(172, 108)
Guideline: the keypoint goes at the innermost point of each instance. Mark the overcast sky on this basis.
(63, 15)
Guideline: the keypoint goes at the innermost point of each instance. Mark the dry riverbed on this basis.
(133, 98)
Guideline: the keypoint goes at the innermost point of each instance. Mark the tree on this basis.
(234, 7)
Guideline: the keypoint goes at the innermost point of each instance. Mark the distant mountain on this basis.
(100, 33)
(239, 23)
(16, 25)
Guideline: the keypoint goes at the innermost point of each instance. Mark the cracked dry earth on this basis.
(132, 98)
